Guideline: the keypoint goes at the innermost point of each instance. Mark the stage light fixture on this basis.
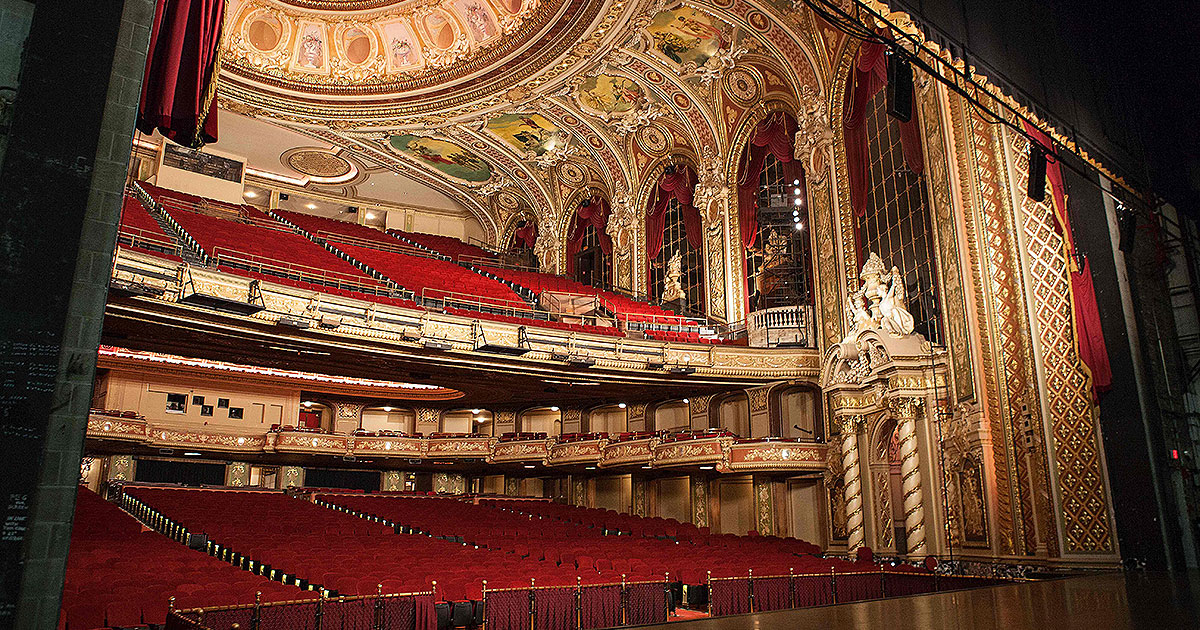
(1036, 189)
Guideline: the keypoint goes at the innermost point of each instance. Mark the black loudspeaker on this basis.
(899, 87)
(283, 196)
(1037, 173)
(1127, 228)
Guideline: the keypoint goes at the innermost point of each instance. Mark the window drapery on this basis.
(775, 135)
(867, 77)
(179, 85)
(593, 211)
(524, 236)
(679, 185)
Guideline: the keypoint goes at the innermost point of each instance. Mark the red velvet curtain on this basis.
(594, 213)
(775, 135)
(425, 613)
(555, 609)
(729, 597)
(679, 185)
(524, 237)
(507, 610)
(179, 86)
(867, 77)
(600, 607)
(1088, 335)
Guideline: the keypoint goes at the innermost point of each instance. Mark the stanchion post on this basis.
(578, 602)
(256, 615)
(791, 587)
(532, 603)
(708, 585)
(378, 607)
(667, 595)
(624, 601)
(882, 583)
(750, 590)
(833, 583)
(320, 609)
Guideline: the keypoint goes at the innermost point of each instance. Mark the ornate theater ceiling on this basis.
(516, 108)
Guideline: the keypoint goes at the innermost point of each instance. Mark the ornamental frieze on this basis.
(573, 452)
(777, 456)
(632, 452)
(519, 451)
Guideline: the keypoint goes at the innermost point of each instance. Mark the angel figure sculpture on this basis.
(896, 319)
(672, 285)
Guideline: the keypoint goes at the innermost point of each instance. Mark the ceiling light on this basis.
(686, 401)
(591, 468)
(647, 466)
(476, 411)
(370, 215)
(250, 193)
(530, 466)
(480, 419)
(311, 206)
(554, 409)
(192, 454)
(387, 408)
(706, 468)
(621, 405)
(307, 403)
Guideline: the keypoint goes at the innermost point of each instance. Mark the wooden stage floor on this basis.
(1106, 601)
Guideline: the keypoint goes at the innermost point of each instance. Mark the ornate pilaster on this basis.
(764, 503)
(449, 483)
(391, 481)
(291, 477)
(512, 487)
(906, 411)
(639, 497)
(237, 474)
(348, 418)
(699, 491)
(120, 468)
(852, 482)
(698, 411)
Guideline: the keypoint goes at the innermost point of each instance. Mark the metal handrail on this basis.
(220, 256)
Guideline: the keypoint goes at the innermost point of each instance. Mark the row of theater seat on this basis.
(271, 251)
(121, 574)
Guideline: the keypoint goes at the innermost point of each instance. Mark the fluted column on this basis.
(906, 411)
(852, 482)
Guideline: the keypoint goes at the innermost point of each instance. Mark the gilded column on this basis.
(852, 482)
(906, 411)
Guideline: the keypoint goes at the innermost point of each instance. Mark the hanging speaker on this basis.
(1127, 228)
(899, 86)
(1037, 173)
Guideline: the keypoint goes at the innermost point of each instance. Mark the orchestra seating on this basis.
(122, 574)
(596, 545)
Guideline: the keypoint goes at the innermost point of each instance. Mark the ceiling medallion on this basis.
(572, 174)
(742, 86)
(655, 139)
(318, 163)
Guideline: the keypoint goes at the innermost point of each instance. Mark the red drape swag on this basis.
(775, 135)
(1089, 336)
(867, 77)
(595, 214)
(179, 85)
(524, 237)
(426, 615)
(679, 185)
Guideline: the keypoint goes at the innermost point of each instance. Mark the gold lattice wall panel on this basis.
(1084, 502)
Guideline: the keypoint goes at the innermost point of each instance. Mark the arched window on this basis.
(673, 218)
(592, 263)
(778, 267)
(896, 220)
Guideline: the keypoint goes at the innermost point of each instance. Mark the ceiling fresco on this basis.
(512, 107)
